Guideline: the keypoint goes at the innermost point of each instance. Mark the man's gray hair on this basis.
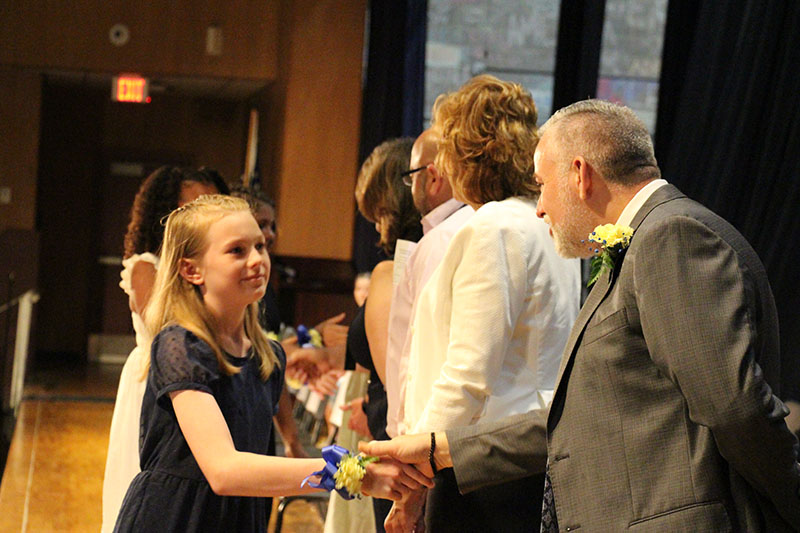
(609, 136)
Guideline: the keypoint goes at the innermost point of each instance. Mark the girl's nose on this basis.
(257, 256)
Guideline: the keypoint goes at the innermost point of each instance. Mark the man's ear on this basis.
(434, 181)
(190, 271)
(582, 174)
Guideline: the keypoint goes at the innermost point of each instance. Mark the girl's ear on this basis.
(191, 272)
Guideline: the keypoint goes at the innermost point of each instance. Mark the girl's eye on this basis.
(259, 246)
(236, 250)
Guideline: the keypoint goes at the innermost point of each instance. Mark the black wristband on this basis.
(430, 453)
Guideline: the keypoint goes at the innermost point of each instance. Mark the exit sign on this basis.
(129, 88)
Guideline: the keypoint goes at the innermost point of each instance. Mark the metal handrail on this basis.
(21, 343)
(8, 305)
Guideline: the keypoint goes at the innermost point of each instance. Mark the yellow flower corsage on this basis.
(343, 472)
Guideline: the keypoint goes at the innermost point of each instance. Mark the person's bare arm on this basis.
(230, 472)
(143, 277)
(376, 315)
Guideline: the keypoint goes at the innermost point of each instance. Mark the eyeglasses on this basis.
(407, 180)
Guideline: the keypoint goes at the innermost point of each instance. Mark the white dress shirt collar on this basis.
(440, 213)
(636, 203)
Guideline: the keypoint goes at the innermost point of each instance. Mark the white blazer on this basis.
(492, 322)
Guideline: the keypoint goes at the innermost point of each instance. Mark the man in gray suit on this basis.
(666, 414)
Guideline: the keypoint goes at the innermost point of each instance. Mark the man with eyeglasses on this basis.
(442, 217)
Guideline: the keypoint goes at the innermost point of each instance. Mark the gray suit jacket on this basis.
(665, 415)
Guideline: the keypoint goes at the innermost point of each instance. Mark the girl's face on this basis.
(234, 269)
(265, 217)
(361, 290)
(190, 190)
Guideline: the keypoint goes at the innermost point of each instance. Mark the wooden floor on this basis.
(54, 473)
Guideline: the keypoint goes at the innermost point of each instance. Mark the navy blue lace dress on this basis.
(171, 493)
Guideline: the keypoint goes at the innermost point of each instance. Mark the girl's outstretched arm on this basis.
(234, 473)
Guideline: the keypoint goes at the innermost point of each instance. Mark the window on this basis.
(514, 40)
(630, 58)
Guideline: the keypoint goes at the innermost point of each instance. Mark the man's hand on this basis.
(412, 449)
(407, 514)
(358, 418)
(333, 333)
(392, 480)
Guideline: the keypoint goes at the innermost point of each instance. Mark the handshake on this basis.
(427, 453)
(421, 450)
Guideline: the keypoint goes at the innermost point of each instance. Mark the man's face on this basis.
(559, 204)
(418, 180)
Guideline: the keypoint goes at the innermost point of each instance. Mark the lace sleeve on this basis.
(181, 361)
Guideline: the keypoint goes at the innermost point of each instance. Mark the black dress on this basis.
(375, 407)
(171, 493)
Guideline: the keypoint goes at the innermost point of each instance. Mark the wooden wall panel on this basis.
(20, 105)
(320, 118)
(167, 37)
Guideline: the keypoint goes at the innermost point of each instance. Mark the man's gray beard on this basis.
(569, 249)
(575, 228)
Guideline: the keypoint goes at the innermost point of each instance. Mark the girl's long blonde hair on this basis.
(176, 301)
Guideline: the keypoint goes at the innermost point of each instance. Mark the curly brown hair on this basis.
(157, 197)
(382, 196)
(488, 137)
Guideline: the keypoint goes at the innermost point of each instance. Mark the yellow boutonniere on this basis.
(609, 241)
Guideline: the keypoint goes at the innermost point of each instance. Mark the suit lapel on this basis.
(596, 296)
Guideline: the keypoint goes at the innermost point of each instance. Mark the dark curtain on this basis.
(393, 94)
(728, 133)
(580, 32)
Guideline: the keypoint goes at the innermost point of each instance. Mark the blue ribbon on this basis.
(333, 455)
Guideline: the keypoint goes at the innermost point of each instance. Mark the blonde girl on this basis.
(213, 385)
